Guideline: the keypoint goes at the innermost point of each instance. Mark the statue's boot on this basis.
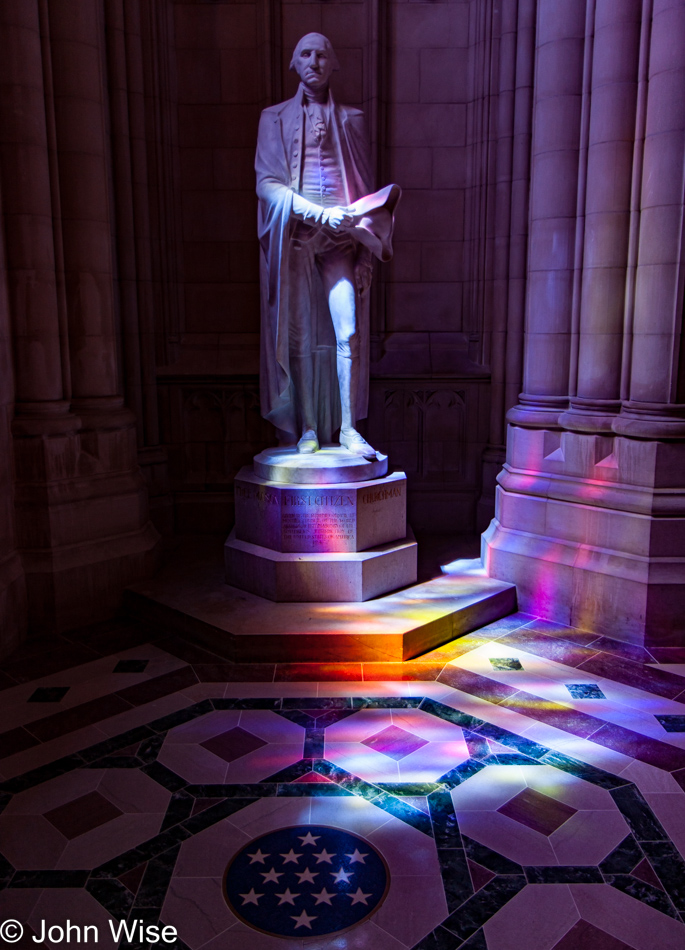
(303, 380)
(309, 442)
(350, 439)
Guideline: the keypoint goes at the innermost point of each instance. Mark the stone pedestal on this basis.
(340, 541)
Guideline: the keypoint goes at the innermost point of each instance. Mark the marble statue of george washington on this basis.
(320, 224)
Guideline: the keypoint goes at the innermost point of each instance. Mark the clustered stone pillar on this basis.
(590, 506)
(80, 505)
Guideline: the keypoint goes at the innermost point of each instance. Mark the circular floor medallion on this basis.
(306, 881)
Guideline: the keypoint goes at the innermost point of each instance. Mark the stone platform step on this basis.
(189, 596)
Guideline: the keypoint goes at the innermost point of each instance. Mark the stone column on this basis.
(12, 581)
(28, 215)
(655, 408)
(554, 179)
(77, 69)
(607, 216)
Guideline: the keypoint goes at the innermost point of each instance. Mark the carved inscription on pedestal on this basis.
(321, 519)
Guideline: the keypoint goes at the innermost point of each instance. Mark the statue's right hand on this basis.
(338, 219)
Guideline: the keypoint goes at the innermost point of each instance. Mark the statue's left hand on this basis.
(363, 272)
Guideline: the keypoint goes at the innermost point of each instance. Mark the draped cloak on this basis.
(280, 149)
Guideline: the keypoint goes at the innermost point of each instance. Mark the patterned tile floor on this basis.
(522, 788)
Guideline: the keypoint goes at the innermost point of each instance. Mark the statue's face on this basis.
(314, 63)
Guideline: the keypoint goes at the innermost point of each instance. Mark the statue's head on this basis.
(314, 60)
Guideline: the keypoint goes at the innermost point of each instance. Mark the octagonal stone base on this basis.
(348, 577)
(343, 517)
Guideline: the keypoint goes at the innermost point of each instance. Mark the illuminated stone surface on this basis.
(345, 517)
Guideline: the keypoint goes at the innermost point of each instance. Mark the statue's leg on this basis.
(337, 273)
(300, 345)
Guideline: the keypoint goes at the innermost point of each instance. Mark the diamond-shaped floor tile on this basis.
(130, 666)
(583, 936)
(537, 811)
(82, 814)
(585, 691)
(505, 663)
(672, 723)
(394, 742)
(233, 744)
(48, 694)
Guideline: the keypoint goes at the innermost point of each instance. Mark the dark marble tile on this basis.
(549, 647)
(640, 817)
(165, 777)
(16, 740)
(405, 812)
(6, 869)
(563, 875)
(291, 773)
(476, 941)
(645, 872)
(49, 879)
(82, 814)
(461, 773)
(505, 663)
(657, 681)
(180, 807)
(133, 737)
(626, 856)
(456, 878)
(48, 694)
(628, 651)
(670, 869)
(480, 876)
(130, 666)
(652, 896)
(471, 916)
(410, 789)
(158, 686)
(116, 762)
(210, 816)
(262, 703)
(5, 799)
(394, 742)
(316, 702)
(150, 748)
(156, 879)
(445, 825)
(554, 714)
(585, 691)
(448, 714)
(525, 746)
(85, 714)
(537, 811)
(305, 719)
(439, 939)
(331, 716)
(386, 702)
(256, 790)
(322, 789)
(314, 744)
(582, 770)
(475, 684)
(200, 804)
(672, 723)
(477, 745)
(178, 718)
(233, 744)
(509, 758)
(350, 782)
(114, 896)
(490, 859)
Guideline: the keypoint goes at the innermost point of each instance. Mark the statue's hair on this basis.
(327, 46)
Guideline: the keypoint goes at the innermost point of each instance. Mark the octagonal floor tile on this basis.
(232, 746)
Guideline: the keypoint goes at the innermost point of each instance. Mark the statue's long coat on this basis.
(278, 165)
